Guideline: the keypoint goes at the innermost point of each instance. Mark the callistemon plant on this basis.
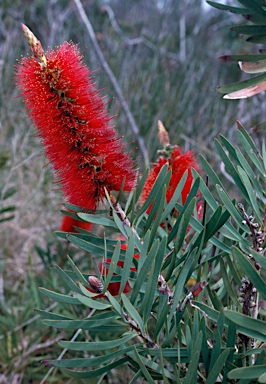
(72, 120)
(178, 162)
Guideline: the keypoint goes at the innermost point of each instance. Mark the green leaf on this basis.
(244, 58)
(251, 193)
(59, 297)
(112, 265)
(182, 230)
(133, 313)
(143, 272)
(251, 272)
(223, 7)
(96, 372)
(231, 208)
(87, 362)
(77, 272)
(143, 368)
(176, 196)
(213, 315)
(182, 278)
(217, 367)
(247, 372)
(96, 345)
(246, 321)
(127, 264)
(148, 299)
(191, 375)
(159, 182)
(251, 151)
(229, 88)
(228, 285)
(230, 167)
(95, 219)
(92, 303)
(71, 284)
(89, 247)
(162, 313)
(115, 305)
(80, 324)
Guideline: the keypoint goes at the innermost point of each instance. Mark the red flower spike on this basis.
(73, 122)
(68, 224)
(178, 162)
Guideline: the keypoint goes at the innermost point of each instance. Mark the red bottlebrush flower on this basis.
(72, 120)
(178, 162)
(68, 224)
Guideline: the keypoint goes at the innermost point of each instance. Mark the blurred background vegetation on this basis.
(164, 55)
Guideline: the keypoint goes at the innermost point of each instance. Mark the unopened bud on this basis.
(162, 134)
(95, 284)
(35, 45)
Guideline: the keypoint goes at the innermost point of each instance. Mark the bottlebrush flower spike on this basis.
(178, 162)
(73, 122)
(68, 224)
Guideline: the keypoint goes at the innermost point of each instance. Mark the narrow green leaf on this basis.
(251, 193)
(228, 285)
(95, 219)
(247, 372)
(95, 372)
(87, 362)
(89, 247)
(127, 264)
(229, 88)
(182, 230)
(231, 208)
(112, 265)
(246, 321)
(245, 58)
(262, 378)
(143, 272)
(162, 314)
(80, 324)
(77, 272)
(143, 368)
(191, 376)
(250, 29)
(231, 168)
(91, 303)
(224, 7)
(71, 284)
(213, 315)
(217, 367)
(133, 313)
(49, 315)
(251, 150)
(149, 296)
(159, 182)
(176, 196)
(96, 345)
(182, 278)
(59, 297)
(251, 272)
(115, 305)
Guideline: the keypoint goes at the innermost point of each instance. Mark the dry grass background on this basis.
(161, 77)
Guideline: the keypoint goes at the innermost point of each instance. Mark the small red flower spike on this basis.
(178, 162)
(68, 224)
(71, 117)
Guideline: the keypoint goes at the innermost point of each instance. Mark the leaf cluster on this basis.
(183, 337)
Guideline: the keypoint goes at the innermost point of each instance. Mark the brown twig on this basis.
(163, 286)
